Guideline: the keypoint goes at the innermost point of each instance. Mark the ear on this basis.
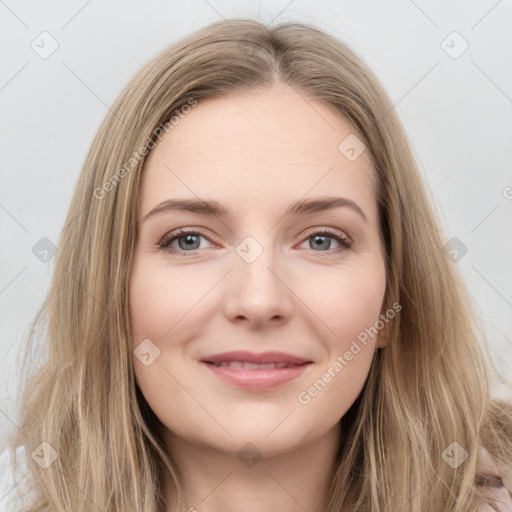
(384, 337)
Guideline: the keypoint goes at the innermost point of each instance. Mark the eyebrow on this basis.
(214, 208)
(488, 480)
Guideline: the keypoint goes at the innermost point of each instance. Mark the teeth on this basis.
(251, 366)
(266, 366)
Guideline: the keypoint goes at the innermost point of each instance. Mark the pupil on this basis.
(188, 241)
(325, 241)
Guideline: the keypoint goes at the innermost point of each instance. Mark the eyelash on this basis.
(489, 481)
(179, 233)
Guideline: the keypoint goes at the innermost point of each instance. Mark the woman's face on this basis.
(257, 278)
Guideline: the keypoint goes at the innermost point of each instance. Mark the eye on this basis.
(188, 241)
(322, 239)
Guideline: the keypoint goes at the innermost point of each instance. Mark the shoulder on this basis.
(11, 479)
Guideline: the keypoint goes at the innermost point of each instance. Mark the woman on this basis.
(315, 350)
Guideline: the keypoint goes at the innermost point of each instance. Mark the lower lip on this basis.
(257, 379)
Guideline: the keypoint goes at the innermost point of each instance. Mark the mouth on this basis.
(256, 371)
(243, 357)
(252, 366)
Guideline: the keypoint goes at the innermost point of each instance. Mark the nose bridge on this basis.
(257, 292)
(255, 259)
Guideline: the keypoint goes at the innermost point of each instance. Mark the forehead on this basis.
(266, 146)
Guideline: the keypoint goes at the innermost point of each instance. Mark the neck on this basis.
(215, 480)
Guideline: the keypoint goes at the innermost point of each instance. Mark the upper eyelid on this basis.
(185, 231)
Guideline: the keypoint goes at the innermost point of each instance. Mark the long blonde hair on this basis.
(426, 391)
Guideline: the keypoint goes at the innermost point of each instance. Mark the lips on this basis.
(253, 361)
(253, 371)
(256, 372)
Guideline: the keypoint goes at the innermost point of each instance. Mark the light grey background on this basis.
(457, 112)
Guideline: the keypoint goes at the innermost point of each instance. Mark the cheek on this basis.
(170, 308)
(350, 303)
(159, 299)
(501, 498)
(159, 302)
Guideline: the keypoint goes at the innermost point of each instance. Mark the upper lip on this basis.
(251, 357)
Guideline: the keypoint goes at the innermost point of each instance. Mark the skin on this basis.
(255, 152)
(499, 496)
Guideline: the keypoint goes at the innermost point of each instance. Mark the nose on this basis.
(258, 292)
